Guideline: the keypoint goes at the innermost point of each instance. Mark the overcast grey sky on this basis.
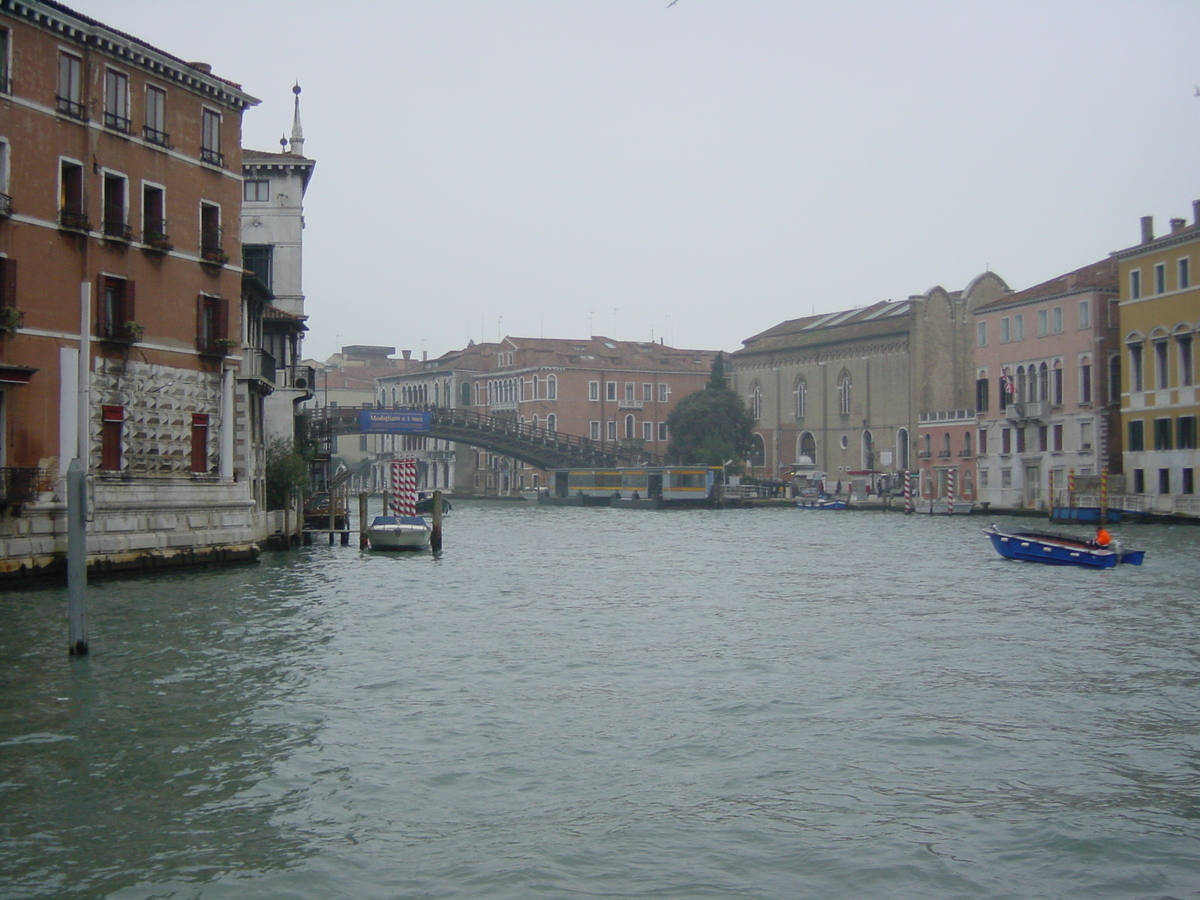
(700, 171)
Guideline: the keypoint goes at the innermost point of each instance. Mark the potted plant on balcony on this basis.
(10, 320)
(157, 240)
(226, 345)
(133, 332)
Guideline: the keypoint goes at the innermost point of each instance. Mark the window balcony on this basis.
(944, 454)
(73, 220)
(155, 237)
(629, 404)
(117, 231)
(72, 108)
(924, 454)
(5, 206)
(212, 157)
(965, 454)
(114, 122)
(156, 137)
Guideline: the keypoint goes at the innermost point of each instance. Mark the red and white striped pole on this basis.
(908, 501)
(404, 487)
(951, 478)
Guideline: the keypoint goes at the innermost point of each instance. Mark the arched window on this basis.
(801, 398)
(902, 449)
(537, 386)
(1043, 392)
(1136, 371)
(1056, 383)
(1114, 378)
(552, 387)
(536, 423)
(393, 395)
(966, 444)
(756, 401)
(465, 393)
(551, 421)
(1022, 387)
(927, 442)
(844, 393)
(946, 444)
(806, 449)
(630, 429)
(868, 451)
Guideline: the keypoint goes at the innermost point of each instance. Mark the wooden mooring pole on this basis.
(435, 537)
(362, 521)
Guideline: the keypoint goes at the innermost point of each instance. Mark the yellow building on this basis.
(1160, 314)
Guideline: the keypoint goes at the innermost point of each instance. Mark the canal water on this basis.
(597, 703)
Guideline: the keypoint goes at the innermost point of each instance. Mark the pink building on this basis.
(1046, 359)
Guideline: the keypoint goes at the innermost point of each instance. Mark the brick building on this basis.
(121, 169)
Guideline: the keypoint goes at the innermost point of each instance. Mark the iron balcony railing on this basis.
(118, 230)
(5, 205)
(119, 123)
(154, 136)
(74, 219)
(72, 108)
(212, 157)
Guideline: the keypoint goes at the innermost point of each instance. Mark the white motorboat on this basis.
(399, 533)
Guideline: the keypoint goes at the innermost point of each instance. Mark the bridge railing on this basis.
(329, 422)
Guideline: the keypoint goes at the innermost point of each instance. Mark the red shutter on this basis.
(102, 325)
(222, 325)
(201, 343)
(8, 282)
(127, 306)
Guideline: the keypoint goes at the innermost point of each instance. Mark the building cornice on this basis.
(71, 26)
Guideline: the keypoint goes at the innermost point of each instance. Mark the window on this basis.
(844, 395)
(664, 391)
(1160, 278)
(1043, 322)
(1006, 478)
(629, 390)
(1056, 320)
(115, 308)
(1135, 368)
(756, 402)
(116, 212)
(1164, 481)
(1043, 438)
(647, 431)
(1161, 369)
(71, 211)
(256, 191)
(5, 45)
(630, 428)
(1185, 436)
(1085, 435)
(1085, 314)
(1162, 434)
(1019, 328)
(8, 282)
(981, 334)
(1006, 440)
(116, 101)
(983, 442)
(1020, 440)
(258, 258)
(1057, 435)
(1187, 373)
(1189, 484)
(551, 423)
(611, 390)
(212, 323)
(594, 430)
(200, 442)
(155, 129)
(5, 200)
(112, 419)
(1139, 481)
(210, 138)
(1085, 380)
(1056, 384)
(154, 224)
(1137, 436)
(662, 431)
(1005, 330)
(612, 429)
(1184, 273)
(801, 397)
(1135, 286)
(647, 392)
(594, 391)
(210, 233)
(69, 100)
(1114, 378)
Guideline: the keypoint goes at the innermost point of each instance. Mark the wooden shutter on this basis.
(8, 281)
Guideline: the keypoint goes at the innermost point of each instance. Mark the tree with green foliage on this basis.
(710, 426)
(287, 474)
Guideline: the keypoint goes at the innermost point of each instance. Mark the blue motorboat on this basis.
(823, 501)
(1057, 549)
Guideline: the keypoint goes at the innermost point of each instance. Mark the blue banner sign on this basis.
(393, 421)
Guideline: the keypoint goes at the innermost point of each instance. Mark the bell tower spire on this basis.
(297, 142)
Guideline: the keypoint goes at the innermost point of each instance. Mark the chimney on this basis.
(1178, 225)
(407, 354)
(1147, 229)
(1196, 211)
(424, 356)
